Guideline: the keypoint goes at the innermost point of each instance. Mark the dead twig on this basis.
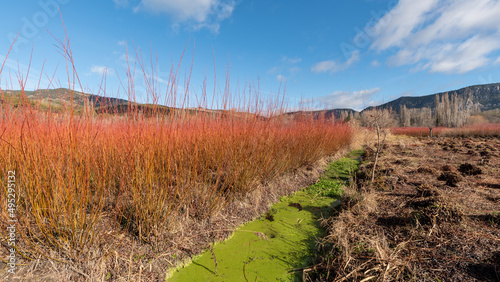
(215, 259)
(354, 271)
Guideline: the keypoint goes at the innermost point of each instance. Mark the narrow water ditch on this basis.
(276, 246)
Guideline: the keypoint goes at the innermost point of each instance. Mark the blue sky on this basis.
(329, 54)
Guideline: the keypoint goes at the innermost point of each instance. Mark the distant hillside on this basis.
(328, 114)
(61, 98)
(487, 97)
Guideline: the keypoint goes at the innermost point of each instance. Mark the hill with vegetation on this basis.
(59, 98)
(328, 114)
(486, 97)
(479, 100)
(63, 99)
(450, 108)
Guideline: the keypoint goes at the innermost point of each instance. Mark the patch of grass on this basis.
(326, 188)
(291, 227)
(494, 218)
(356, 154)
(342, 169)
(333, 179)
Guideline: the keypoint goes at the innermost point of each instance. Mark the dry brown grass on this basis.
(410, 226)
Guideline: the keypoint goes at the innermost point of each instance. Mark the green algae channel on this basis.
(279, 244)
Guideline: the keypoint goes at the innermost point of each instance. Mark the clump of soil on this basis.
(401, 162)
(490, 219)
(387, 171)
(369, 153)
(432, 210)
(426, 190)
(450, 177)
(468, 144)
(469, 169)
(494, 218)
(364, 172)
(447, 168)
(425, 170)
(472, 153)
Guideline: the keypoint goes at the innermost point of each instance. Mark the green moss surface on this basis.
(291, 229)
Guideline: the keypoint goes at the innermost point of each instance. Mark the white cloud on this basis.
(273, 70)
(375, 63)
(287, 66)
(461, 19)
(353, 59)
(292, 61)
(456, 57)
(281, 78)
(294, 70)
(332, 66)
(345, 99)
(124, 58)
(157, 78)
(122, 43)
(202, 13)
(465, 56)
(400, 22)
(100, 70)
(448, 36)
(326, 66)
(121, 3)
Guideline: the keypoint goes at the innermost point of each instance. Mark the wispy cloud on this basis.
(400, 23)
(353, 59)
(288, 66)
(100, 70)
(447, 36)
(333, 67)
(281, 78)
(345, 99)
(326, 66)
(15, 66)
(294, 70)
(122, 43)
(292, 61)
(121, 3)
(200, 13)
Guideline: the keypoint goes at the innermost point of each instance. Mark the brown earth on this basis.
(432, 214)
